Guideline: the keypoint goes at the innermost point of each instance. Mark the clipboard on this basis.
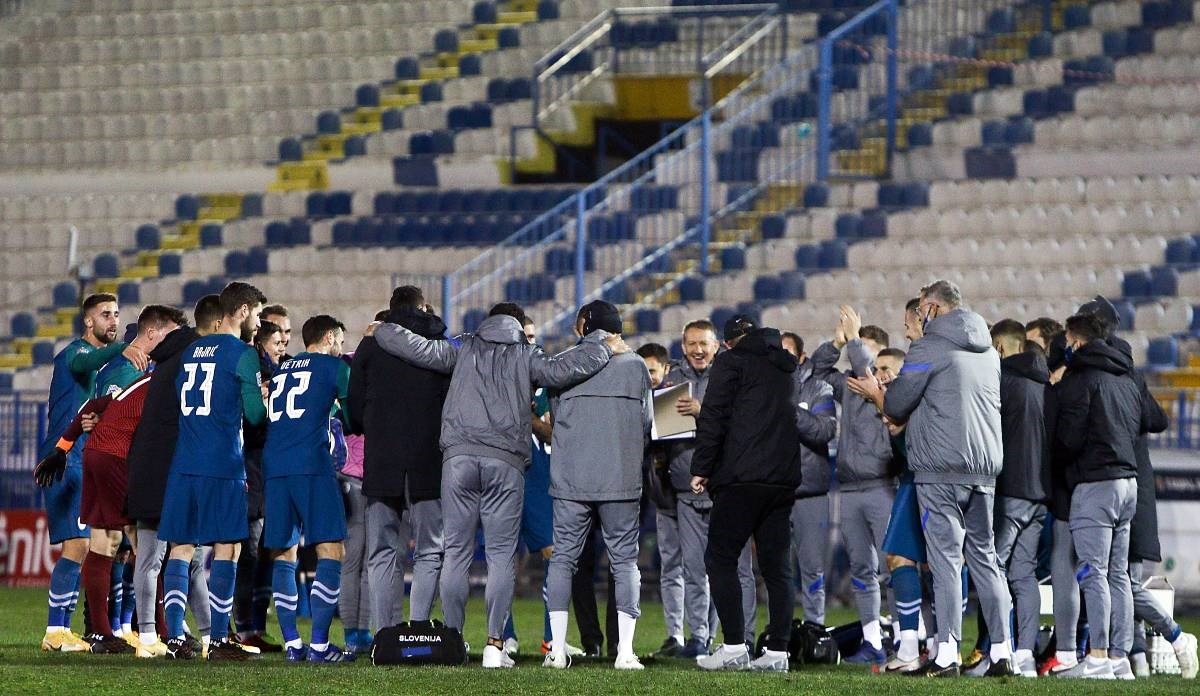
(668, 424)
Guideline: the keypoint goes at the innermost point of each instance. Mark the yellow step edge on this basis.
(54, 330)
(441, 73)
(350, 128)
(219, 213)
(106, 285)
(410, 86)
(519, 17)
(491, 32)
(15, 361)
(22, 346)
(519, 6)
(368, 114)
(466, 46)
(300, 176)
(398, 101)
(223, 200)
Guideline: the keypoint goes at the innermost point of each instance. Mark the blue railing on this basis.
(22, 429)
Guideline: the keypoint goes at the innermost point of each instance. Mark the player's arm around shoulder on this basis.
(431, 354)
(254, 409)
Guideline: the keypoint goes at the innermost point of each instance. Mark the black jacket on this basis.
(398, 407)
(1143, 533)
(254, 439)
(747, 431)
(153, 444)
(1099, 416)
(1023, 381)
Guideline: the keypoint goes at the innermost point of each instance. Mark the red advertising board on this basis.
(26, 555)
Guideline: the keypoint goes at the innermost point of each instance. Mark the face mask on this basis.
(1068, 353)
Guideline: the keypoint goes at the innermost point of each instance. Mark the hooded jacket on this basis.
(816, 417)
(493, 374)
(864, 456)
(747, 430)
(949, 393)
(398, 407)
(1099, 416)
(679, 452)
(1024, 379)
(599, 436)
(153, 444)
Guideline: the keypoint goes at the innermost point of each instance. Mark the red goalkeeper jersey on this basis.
(120, 414)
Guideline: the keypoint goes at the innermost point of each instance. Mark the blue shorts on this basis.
(203, 510)
(62, 507)
(905, 536)
(309, 504)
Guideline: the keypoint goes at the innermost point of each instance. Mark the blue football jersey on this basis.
(302, 395)
(218, 381)
(68, 392)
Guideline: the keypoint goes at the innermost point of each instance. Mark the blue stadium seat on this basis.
(768, 289)
(832, 254)
(193, 290)
(6, 382)
(508, 37)
(329, 122)
(773, 226)
(408, 68)
(420, 143)
(1140, 40)
(314, 204)
(520, 88)
(106, 266)
(1181, 250)
(1041, 45)
(648, 321)
(691, 289)
(256, 261)
(675, 350)
(1018, 131)
(366, 232)
(808, 256)
(129, 293)
(816, 195)
(1060, 99)
(720, 315)
(619, 293)
(43, 351)
(291, 150)
(23, 325)
(459, 117)
(187, 207)
(1000, 76)
(343, 233)
(921, 77)
(252, 205)
(468, 65)
(148, 237)
(392, 119)
(299, 232)
(445, 41)
(480, 115)
(792, 283)
(497, 90)
(484, 12)
(338, 203)
(915, 194)
(1116, 42)
(235, 263)
(920, 134)
(848, 226)
(889, 195)
(1163, 352)
(733, 258)
(873, 225)
(385, 203)
(211, 235)
(1164, 281)
(1002, 21)
(354, 146)
(1155, 14)
(366, 95)
(547, 9)
(1125, 314)
(1136, 284)
(1034, 104)
(170, 264)
(1076, 16)
(442, 142)
(993, 132)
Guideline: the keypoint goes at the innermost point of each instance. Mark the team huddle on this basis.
(983, 455)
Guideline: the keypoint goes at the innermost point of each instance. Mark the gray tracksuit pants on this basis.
(670, 578)
(810, 543)
(1065, 587)
(148, 564)
(1101, 512)
(1018, 527)
(693, 544)
(388, 530)
(958, 523)
(619, 524)
(487, 492)
(354, 603)
(1146, 608)
(863, 521)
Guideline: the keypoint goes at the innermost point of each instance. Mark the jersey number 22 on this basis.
(279, 384)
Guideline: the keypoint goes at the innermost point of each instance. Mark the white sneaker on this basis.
(494, 658)
(1185, 652)
(555, 660)
(511, 647)
(1088, 668)
(726, 658)
(1141, 667)
(1026, 665)
(1121, 668)
(978, 669)
(630, 662)
(770, 661)
(898, 666)
(573, 651)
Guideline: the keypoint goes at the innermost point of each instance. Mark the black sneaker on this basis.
(1001, 668)
(180, 649)
(226, 650)
(593, 650)
(195, 644)
(669, 648)
(108, 645)
(931, 669)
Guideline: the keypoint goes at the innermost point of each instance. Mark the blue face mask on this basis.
(1068, 353)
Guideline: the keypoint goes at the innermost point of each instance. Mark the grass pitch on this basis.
(24, 669)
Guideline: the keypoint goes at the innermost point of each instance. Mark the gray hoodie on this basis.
(600, 428)
(816, 420)
(494, 372)
(949, 393)
(864, 458)
(679, 455)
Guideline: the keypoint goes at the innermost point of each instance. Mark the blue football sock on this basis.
(64, 589)
(547, 634)
(128, 603)
(175, 595)
(220, 597)
(323, 599)
(964, 575)
(906, 583)
(287, 597)
(510, 629)
(1173, 634)
(116, 596)
(365, 637)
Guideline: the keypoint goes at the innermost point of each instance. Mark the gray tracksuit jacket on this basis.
(816, 419)
(600, 429)
(493, 374)
(949, 393)
(864, 457)
(679, 453)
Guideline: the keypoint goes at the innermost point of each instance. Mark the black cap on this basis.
(1103, 310)
(601, 315)
(739, 325)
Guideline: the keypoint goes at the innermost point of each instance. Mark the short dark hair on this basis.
(156, 316)
(912, 305)
(1087, 327)
(874, 333)
(795, 339)
(655, 350)
(406, 297)
(316, 327)
(892, 353)
(701, 324)
(1046, 327)
(275, 310)
(208, 310)
(1008, 329)
(265, 329)
(509, 309)
(94, 299)
(237, 294)
(382, 314)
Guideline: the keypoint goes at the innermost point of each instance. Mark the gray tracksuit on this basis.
(691, 513)
(817, 422)
(485, 443)
(866, 481)
(949, 394)
(600, 428)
